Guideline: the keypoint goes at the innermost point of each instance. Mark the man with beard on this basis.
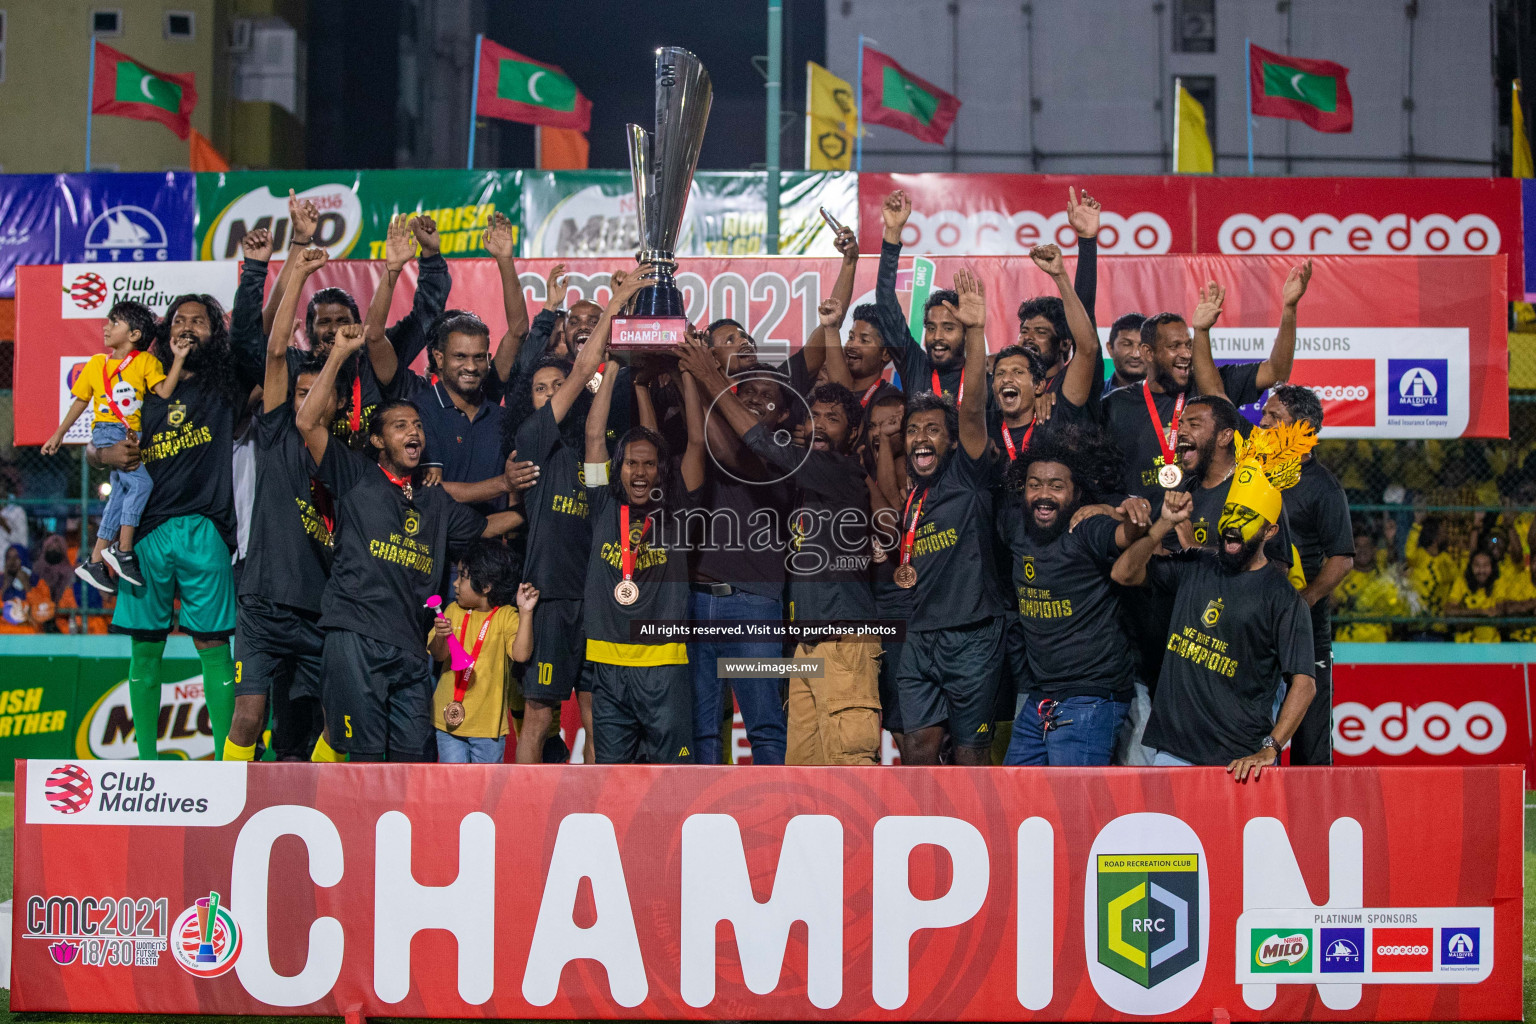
(1125, 351)
(277, 636)
(394, 543)
(1319, 513)
(1238, 631)
(954, 645)
(1046, 322)
(559, 534)
(833, 719)
(330, 309)
(642, 703)
(1080, 664)
(1144, 419)
(187, 532)
(867, 355)
(938, 364)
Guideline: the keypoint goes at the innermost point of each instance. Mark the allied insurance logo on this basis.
(205, 940)
(1459, 949)
(186, 793)
(1149, 914)
(1417, 387)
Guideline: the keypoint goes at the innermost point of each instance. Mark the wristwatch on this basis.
(1270, 744)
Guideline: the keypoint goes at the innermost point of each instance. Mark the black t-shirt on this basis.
(1320, 526)
(1231, 639)
(559, 530)
(187, 443)
(827, 562)
(912, 360)
(741, 541)
(392, 553)
(1127, 421)
(620, 411)
(1069, 608)
(661, 569)
(953, 550)
(289, 555)
(1206, 513)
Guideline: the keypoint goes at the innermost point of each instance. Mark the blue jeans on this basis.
(130, 488)
(762, 706)
(1087, 740)
(1163, 759)
(453, 749)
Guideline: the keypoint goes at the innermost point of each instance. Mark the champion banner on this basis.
(1405, 347)
(961, 214)
(852, 893)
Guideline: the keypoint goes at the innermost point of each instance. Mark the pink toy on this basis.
(458, 657)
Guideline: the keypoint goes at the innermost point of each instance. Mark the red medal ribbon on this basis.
(106, 382)
(461, 679)
(402, 482)
(911, 535)
(321, 499)
(959, 393)
(872, 389)
(626, 553)
(1023, 445)
(355, 420)
(1171, 439)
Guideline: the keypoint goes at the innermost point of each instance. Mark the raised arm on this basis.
(303, 218)
(433, 282)
(595, 351)
(1207, 312)
(823, 338)
(830, 313)
(315, 431)
(703, 370)
(1130, 568)
(1084, 217)
(693, 456)
(399, 247)
(973, 314)
(274, 388)
(498, 242)
(597, 415)
(1077, 385)
(1277, 368)
(893, 322)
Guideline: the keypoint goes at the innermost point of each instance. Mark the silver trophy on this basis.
(662, 164)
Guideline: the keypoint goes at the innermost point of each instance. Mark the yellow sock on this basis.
(325, 754)
(234, 752)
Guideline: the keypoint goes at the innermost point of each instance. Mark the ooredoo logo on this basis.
(1393, 235)
(68, 789)
(1435, 727)
(1344, 386)
(1401, 949)
(88, 291)
(943, 232)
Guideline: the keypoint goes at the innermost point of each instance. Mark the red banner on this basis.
(1442, 323)
(963, 214)
(1395, 714)
(854, 894)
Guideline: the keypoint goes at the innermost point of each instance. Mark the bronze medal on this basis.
(595, 382)
(1170, 476)
(905, 577)
(453, 714)
(626, 593)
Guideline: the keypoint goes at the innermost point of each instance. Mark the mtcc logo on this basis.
(126, 233)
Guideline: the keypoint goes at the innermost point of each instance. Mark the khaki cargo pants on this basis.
(836, 719)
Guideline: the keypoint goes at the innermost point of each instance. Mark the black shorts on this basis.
(277, 650)
(950, 675)
(890, 705)
(559, 651)
(378, 698)
(642, 714)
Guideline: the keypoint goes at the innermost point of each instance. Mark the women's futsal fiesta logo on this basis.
(205, 940)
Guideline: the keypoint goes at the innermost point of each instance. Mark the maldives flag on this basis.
(1313, 91)
(895, 96)
(126, 88)
(517, 88)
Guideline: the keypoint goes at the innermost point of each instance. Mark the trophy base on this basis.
(648, 333)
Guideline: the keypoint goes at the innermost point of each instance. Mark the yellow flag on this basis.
(830, 120)
(1521, 163)
(1191, 144)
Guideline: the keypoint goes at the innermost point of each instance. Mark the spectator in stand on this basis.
(1371, 588)
(1432, 564)
(1476, 593)
(15, 582)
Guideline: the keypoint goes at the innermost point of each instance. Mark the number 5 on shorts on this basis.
(346, 720)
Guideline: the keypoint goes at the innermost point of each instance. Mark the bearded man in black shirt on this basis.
(395, 540)
(1237, 633)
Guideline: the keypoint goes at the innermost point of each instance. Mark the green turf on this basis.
(7, 817)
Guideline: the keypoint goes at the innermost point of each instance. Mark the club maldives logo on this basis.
(205, 940)
(1281, 950)
(88, 290)
(1149, 914)
(68, 789)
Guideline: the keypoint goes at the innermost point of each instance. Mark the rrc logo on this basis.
(1149, 924)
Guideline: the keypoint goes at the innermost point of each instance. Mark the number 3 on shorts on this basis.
(238, 666)
(346, 720)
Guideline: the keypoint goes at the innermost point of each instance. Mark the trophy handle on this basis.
(642, 173)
